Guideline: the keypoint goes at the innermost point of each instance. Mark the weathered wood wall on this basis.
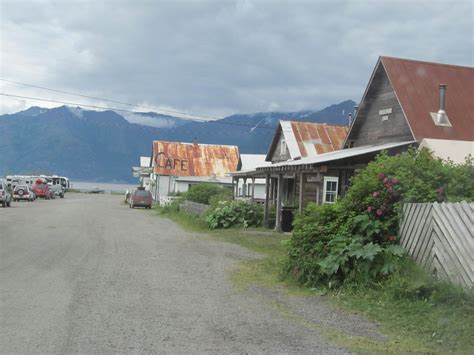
(440, 237)
(369, 127)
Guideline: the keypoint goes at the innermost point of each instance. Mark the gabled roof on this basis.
(308, 139)
(251, 161)
(416, 86)
(191, 159)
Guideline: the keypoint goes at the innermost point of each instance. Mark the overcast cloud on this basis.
(220, 57)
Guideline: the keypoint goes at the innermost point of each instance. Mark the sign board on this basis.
(188, 159)
(386, 111)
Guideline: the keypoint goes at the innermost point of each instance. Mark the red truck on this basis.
(41, 189)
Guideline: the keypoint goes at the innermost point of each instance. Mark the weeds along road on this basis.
(86, 274)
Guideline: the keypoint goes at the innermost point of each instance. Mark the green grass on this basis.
(414, 306)
(415, 312)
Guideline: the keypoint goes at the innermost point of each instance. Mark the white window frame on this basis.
(282, 147)
(330, 179)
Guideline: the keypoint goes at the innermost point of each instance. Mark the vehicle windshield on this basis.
(142, 193)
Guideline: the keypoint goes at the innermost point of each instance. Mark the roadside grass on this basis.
(416, 313)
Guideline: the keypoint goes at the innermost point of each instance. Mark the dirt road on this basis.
(86, 274)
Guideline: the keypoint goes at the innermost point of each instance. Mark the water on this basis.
(107, 187)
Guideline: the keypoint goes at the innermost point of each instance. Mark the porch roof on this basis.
(331, 157)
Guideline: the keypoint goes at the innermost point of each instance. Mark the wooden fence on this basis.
(440, 237)
(194, 208)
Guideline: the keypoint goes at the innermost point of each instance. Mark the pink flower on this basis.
(381, 176)
(379, 212)
(375, 194)
(369, 209)
(440, 190)
(394, 181)
(385, 180)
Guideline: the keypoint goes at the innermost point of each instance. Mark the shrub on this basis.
(202, 192)
(223, 195)
(355, 238)
(233, 214)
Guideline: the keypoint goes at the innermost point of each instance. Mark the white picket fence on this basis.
(440, 237)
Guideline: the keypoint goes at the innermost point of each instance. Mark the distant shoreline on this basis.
(106, 186)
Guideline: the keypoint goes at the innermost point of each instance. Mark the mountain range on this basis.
(102, 146)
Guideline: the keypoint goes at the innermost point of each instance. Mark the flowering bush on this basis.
(356, 238)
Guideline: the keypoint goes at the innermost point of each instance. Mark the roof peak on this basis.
(382, 57)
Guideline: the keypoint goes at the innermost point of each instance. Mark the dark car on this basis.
(141, 198)
(41, 189)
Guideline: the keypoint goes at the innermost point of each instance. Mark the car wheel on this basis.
(9, 203)
(62, 195)
(4, 203)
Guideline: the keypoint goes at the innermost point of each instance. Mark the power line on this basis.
(197, 117)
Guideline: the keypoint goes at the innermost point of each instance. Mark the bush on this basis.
(223, 195)
(234, 214)
(202, 192)
(355, 239)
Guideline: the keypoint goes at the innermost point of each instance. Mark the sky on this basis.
(217, 58)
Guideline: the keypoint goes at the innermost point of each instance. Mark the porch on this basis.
(293, 184)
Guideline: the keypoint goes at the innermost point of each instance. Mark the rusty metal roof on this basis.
(416, 85)
(308, 139)
(191, 159)
(316, 138)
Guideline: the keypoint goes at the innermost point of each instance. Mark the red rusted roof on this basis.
(191, 159)
(416, 85)
(317, 138)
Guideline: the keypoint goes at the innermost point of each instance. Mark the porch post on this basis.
(278, 204)
(318, 186)
(253, 188)
(244, 188)
(237, 187)
(300, 206)
(233, 188)
(267, 199)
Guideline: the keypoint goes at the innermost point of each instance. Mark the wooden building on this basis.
(406, 102)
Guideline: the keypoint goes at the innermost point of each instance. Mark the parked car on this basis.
(58, 189)
(41, 189)
(5, 195)
(140, 198)
(23, 192)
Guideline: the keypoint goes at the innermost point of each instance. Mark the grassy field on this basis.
(417, 314)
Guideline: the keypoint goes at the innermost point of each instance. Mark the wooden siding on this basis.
(368, 127)
(440, 238)
(276, 156)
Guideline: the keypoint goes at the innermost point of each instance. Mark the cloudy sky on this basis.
(219, 57)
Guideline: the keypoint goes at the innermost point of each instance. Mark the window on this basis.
(282, 147)
(330, 189)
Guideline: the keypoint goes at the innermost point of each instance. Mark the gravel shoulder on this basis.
(86, 274)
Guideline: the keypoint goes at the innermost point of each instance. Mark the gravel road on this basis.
(86, 274)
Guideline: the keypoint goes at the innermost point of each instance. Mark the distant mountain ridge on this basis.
(103, 145)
